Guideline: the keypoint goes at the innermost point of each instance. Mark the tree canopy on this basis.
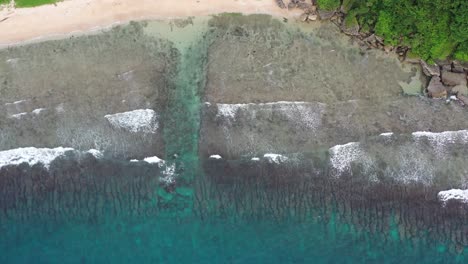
(433, 29)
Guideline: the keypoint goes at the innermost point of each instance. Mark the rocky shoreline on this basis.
(446, 79)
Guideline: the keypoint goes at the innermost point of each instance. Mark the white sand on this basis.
(78, 16)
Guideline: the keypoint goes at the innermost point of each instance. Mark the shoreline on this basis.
(20, 25)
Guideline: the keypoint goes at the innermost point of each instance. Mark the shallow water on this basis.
(295, 113)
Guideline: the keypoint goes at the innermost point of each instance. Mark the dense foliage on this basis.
(29, 3)
(434, 29)
(328, 4)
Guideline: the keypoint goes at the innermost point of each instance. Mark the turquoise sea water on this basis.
(113, 211)
(190, 240)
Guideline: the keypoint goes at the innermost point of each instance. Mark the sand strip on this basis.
(75, 16)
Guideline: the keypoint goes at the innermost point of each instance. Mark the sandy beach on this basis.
(79, 16)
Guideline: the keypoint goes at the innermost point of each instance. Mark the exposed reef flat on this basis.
(75, 92)
(273, 87)
(195, 134)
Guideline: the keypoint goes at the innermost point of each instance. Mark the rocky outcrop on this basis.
(448, 80)
(352, 29)
(281, 4)
(324, 14)
(436, 89)
(452, 78)
(430, 70)
(458, 68)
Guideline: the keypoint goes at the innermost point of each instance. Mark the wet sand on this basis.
(79, 16)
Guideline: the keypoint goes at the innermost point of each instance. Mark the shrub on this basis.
(328, 5)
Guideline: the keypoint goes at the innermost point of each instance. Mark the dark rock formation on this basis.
(430, 70)
(436, 88)
(281, 4)
(452, 78)
(325, 15)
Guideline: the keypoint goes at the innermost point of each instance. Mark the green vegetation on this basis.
(31, 3)
(433, 29)
(4, 2)
(329, 5)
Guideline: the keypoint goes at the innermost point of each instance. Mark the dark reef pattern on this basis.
(262, 160)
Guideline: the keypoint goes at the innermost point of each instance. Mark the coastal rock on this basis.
(280, 4)
(463, 99)
(304, 17)
(457, 67)
(304, 6)
(352, 30)
(292, 5)
(460, 90)
(324, 15)
(436, 88)
(430, 70)
(373, 41)
(446, 67)
(312, 17)
(411, 60)
(452, 78)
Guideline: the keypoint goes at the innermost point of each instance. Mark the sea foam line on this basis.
(141, 120)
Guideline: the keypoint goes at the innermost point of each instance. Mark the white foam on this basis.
(168, 175)
(141, 120)
(387, 134)
(13, 61)
(453, 194)
(255, 159)
(153, 160)
(341, 156)
(60, 108)
(229, 110)
(17, 102)
(38, 111)
(442, 137)
(412, 166)
(215, 157)
(31, 156)
(19, 116)
(302, 114)
(439, 141)
(96, 153)
(275, 158)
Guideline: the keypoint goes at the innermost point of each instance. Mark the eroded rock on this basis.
(453, 78)
(324, 15)
(436, 88)
(463, 99)
(281, 4)
(430, 70)
(352, 30)
(457, 67)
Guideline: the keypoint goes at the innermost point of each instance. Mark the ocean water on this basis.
(339, 193)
